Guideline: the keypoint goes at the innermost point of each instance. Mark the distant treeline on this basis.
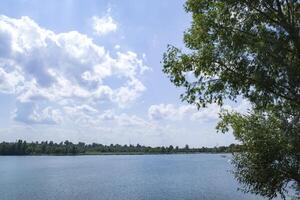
(68, 148)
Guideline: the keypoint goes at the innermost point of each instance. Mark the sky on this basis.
(91, 71)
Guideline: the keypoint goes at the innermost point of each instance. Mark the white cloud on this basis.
(46, 115)
(204, 114)
(132, 121)
(175, 113)
(164, 111)
(90, 117)
(104, 25)
(190, 112)
(31, 113)
(10, 81)
(39, 65)
(129, 92)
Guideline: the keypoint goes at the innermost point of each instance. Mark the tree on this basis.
(170, 149)
(186, 147)
(270, 159)
(247, 48)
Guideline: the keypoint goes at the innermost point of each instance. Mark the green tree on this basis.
(170, 149)
(247, 48)
(270, 157)
(186, 148)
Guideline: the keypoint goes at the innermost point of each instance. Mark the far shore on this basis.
(120, 153)
(68, 148)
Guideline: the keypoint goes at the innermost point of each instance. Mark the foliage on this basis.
(247, 48)
(270, 158)
(68, 148)
(239, 47)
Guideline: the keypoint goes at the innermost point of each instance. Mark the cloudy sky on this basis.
(90, 71)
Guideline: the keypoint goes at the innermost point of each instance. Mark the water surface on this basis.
(118, 177)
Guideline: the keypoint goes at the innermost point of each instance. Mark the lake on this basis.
(117, 177)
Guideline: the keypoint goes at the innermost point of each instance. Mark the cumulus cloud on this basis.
(175, 113)
(31, 113)
(39, 65)
(104, 25)
(211, 112)
(10, 81)
(88, 116)
(164, 111)
(190, 112)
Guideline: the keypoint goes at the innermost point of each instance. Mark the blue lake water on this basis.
(118, 177)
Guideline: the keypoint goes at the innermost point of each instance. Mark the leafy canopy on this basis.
(249, 48)
(270, 157)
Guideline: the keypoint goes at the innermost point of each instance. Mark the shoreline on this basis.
(117, 154)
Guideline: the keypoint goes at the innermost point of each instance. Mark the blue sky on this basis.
(90, 71)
